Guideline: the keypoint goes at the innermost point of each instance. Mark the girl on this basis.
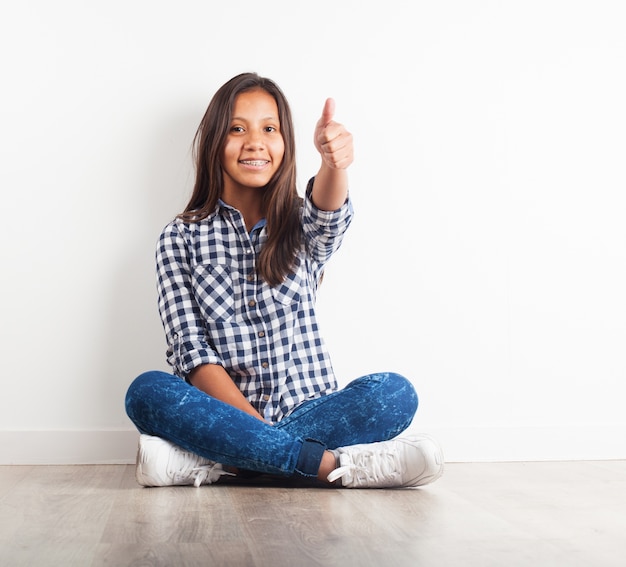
(253, 389)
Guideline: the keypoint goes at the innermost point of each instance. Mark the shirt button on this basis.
(248, 251)
(250, 277)
(266, 397)
(252, 303)
(265, 365)
(262, 334)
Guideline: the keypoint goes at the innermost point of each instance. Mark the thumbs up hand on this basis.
(332, 140)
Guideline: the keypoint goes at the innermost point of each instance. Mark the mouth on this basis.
(254, 162)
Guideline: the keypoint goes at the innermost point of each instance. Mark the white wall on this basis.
(487, 261)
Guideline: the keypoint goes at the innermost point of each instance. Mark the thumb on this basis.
(328, 112)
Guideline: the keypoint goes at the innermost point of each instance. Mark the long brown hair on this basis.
(281, 202)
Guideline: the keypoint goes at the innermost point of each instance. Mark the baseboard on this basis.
(114, 446)
(546, 443)
(460, 444)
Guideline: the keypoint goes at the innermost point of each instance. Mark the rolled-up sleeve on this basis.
(324, 230)
(187, 344)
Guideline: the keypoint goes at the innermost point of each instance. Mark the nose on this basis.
(254, 141)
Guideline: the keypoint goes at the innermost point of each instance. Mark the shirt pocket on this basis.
(213, 290)
(288, 292)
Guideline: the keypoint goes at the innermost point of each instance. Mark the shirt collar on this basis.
(258, 226)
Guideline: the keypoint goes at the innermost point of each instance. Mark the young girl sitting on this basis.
(253, 389)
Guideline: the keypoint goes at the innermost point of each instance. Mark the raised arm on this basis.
(334, 143)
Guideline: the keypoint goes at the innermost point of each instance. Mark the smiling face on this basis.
(254, 147)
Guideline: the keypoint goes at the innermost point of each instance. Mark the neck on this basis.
(248, 201)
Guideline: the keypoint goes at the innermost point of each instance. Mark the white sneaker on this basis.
(161, 463)
(404, 461)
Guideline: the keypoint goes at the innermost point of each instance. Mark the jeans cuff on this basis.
(310, 458)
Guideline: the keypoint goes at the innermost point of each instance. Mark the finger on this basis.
(328, 112)
(338, 152)
(334, 136)
(339, 160)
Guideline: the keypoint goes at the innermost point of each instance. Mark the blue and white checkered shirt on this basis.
(216, 310)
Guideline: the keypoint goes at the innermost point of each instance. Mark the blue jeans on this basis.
(373, 408)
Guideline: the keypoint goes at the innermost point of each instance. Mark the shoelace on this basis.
(212, 472)
(369, 468)
(187, 468)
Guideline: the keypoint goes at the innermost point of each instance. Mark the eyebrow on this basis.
(264, 118)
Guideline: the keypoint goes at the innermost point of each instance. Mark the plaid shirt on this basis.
(216, 310)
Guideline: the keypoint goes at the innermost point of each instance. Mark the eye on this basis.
(271, 129)
(236, 129)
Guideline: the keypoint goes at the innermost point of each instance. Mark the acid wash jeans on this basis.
(376, 407)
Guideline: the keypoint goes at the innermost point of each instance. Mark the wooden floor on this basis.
(508, 514)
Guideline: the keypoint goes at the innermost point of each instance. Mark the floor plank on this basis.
(482, 514)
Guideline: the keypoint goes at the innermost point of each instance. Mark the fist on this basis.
(332, 140)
